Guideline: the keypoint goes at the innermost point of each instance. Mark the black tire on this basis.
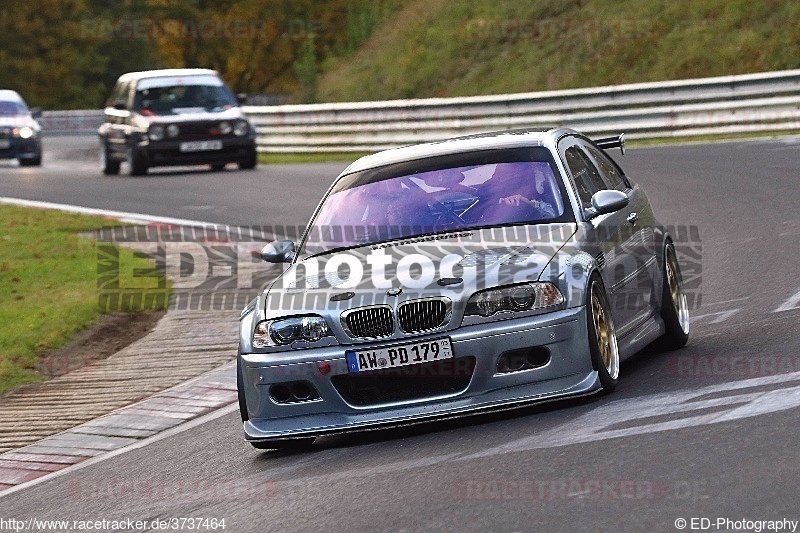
(602, 336)
(674, 308)
(109, 166)
(32, 162)
(137, 163)
(249, 162)
(216, 167)
(288, 444)
(240, 392)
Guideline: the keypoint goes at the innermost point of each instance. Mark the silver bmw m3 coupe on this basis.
(445, 279)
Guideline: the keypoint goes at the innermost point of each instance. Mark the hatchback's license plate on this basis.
(200, 146)
(400, 355)
(5, 143)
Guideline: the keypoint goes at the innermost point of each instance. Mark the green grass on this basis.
(442, 48)
(309, 157)
(49, 285)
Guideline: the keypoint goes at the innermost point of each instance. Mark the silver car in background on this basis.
(20, 132)
(470, 275)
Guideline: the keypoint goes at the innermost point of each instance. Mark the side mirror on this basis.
(241, 98)
(36, 112)
(279, 252)
(608, 201)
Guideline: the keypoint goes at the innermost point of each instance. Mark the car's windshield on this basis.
(176, 95)
(384, 204)
(10, 108)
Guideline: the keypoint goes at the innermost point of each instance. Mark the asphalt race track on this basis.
(710, 431)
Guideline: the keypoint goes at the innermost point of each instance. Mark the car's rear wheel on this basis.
(674, 307)
(137, 164)
(109, 166)
(602, 336)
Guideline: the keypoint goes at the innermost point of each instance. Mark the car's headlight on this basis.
(156, 132)
(225, 127)
(522, 297)
(24, 132)
(173, 130)
(285, 331)
(241, 128)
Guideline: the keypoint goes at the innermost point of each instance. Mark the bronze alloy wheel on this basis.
(604, 331)
(675, 286)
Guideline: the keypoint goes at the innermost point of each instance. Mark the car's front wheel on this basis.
(674, 307)
(249, 162)
(602, 336)
(137, 162)
(31, 162)
(108, 165)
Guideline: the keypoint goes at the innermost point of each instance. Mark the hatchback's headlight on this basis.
(25, 132)
(173, 130)
(287, 330)
(156, 132)
(241, 128)
(523, 297)
(225, 127)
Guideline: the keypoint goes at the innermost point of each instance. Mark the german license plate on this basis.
(5, 143)
(399, 355)
(200, 146)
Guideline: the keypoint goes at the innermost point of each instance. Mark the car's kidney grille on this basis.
(421, 315)
(370, 322)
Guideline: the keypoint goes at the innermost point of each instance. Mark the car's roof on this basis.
(469, 143)
(9, 95)
(167, 72)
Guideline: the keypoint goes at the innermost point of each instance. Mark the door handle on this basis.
(633, 218)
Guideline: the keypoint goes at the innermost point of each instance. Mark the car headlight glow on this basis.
(173, 130)
(284, 331)
(156, 132)
(25, 132)
(522, 297)
(241, 128)
(225, 127)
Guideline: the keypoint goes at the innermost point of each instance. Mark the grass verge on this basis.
(309, 157)
(49, 283)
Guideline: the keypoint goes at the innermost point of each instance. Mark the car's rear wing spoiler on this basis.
(612, 142)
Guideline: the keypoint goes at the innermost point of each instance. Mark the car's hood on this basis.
(455, 265)
(19, 121)
(194, 114)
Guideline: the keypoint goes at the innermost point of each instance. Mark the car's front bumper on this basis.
(568, 372)
(17, 148)
(168, 153)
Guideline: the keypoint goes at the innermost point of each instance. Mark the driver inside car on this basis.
(513, 185)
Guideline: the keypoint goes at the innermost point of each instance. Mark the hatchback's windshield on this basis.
(176, 95)
(12, 109)
(362, 210)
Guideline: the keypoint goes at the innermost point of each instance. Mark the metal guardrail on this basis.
(80, 122)
(722, 105)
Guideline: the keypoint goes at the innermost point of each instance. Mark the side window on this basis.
(584, 173)
(120, 92)
(609, 171)
(114, 95)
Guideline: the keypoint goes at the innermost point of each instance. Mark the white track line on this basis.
(122, 216)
